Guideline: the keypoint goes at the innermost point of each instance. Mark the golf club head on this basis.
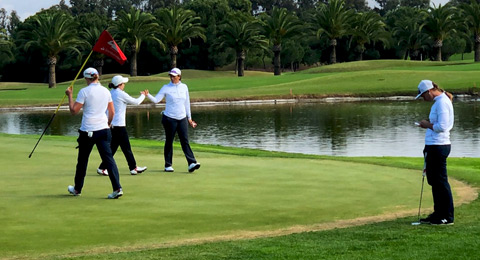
(416, 223)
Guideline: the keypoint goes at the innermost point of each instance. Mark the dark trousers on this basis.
(436, 159)
(120, 138)
(102, 140)
(171, 127)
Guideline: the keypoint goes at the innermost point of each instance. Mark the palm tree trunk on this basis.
(98, 64)
(438, 45)
(240, 59)
(276, 60)
(333, 54)
(360, 49)
(133, 65)
(173, 56)
(477, 48)
(133, 62)
(52, 62)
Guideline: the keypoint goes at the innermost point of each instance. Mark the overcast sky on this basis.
(26, 8)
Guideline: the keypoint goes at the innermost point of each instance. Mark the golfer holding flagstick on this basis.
(94, 130)
(437, 148)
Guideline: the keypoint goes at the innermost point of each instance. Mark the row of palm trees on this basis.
(55, 32)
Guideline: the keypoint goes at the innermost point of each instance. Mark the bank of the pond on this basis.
(328, 99)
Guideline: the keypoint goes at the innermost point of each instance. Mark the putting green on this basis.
(230, 196)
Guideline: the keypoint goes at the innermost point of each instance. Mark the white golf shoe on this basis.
(138, 170)
(193, 166)
(72, 190)
(103, 172)
(115, 194)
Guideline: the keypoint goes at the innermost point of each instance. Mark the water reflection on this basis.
(346, 129)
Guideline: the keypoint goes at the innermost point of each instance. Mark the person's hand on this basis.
(425, 124)
(145, 92)
(69, 91)
(192, 123)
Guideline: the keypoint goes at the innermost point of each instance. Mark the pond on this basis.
(370, 128)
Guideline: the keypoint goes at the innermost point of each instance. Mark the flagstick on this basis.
(61, 102)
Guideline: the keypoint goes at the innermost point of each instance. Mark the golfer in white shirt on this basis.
(118, 126)
(437, 148)
(176, 118)
(95, 100)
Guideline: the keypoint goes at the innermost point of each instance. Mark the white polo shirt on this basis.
(177, 100)
(441, 116)
(95, 99)
(120, 100)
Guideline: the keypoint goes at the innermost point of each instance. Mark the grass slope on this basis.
(231, 195)
(364, 78)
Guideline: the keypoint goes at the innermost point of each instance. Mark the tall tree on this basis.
(407, 30)
(279, 27)
(440, 24)
(51, 32)
(178, 25)
(241, 37)
(133, 28)
(368, 27)
(471, 15)
(334, 21)
(13, 23)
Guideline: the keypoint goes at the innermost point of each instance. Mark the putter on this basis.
(420, 204)
(421, 192)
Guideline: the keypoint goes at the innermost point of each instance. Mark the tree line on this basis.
(272, 35)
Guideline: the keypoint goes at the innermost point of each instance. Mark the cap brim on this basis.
(173, 74)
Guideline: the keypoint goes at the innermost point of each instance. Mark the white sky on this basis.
(26, 8)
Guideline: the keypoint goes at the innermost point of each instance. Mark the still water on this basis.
(373, 128)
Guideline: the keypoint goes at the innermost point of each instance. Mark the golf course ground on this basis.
(241, 203)
(237, 196)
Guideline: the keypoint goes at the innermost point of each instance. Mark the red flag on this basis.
(107, 45)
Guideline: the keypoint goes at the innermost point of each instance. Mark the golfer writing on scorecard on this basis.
(176, 118)
(118, 126)
(94, 130)
(437, 148)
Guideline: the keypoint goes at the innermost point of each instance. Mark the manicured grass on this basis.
(365, 78)
(236, 193)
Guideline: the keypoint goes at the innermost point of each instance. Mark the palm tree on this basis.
(471, 14)
(368, 27)
(408, 31)
(5, 45)
(91, 35)
(51, 33)
(279, 27)
(241, 36)
(133, 28)
(440, 24)
(179, 25)
(333, 20)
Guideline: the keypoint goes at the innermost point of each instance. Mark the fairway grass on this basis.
(237, 194)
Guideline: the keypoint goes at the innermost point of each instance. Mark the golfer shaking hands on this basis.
(437, 148)
(118, 126)
(176, 118)
(94, 130)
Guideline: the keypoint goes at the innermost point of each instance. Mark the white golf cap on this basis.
(175, 72)
(423, 87)
(117, 80)
(89, 73)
